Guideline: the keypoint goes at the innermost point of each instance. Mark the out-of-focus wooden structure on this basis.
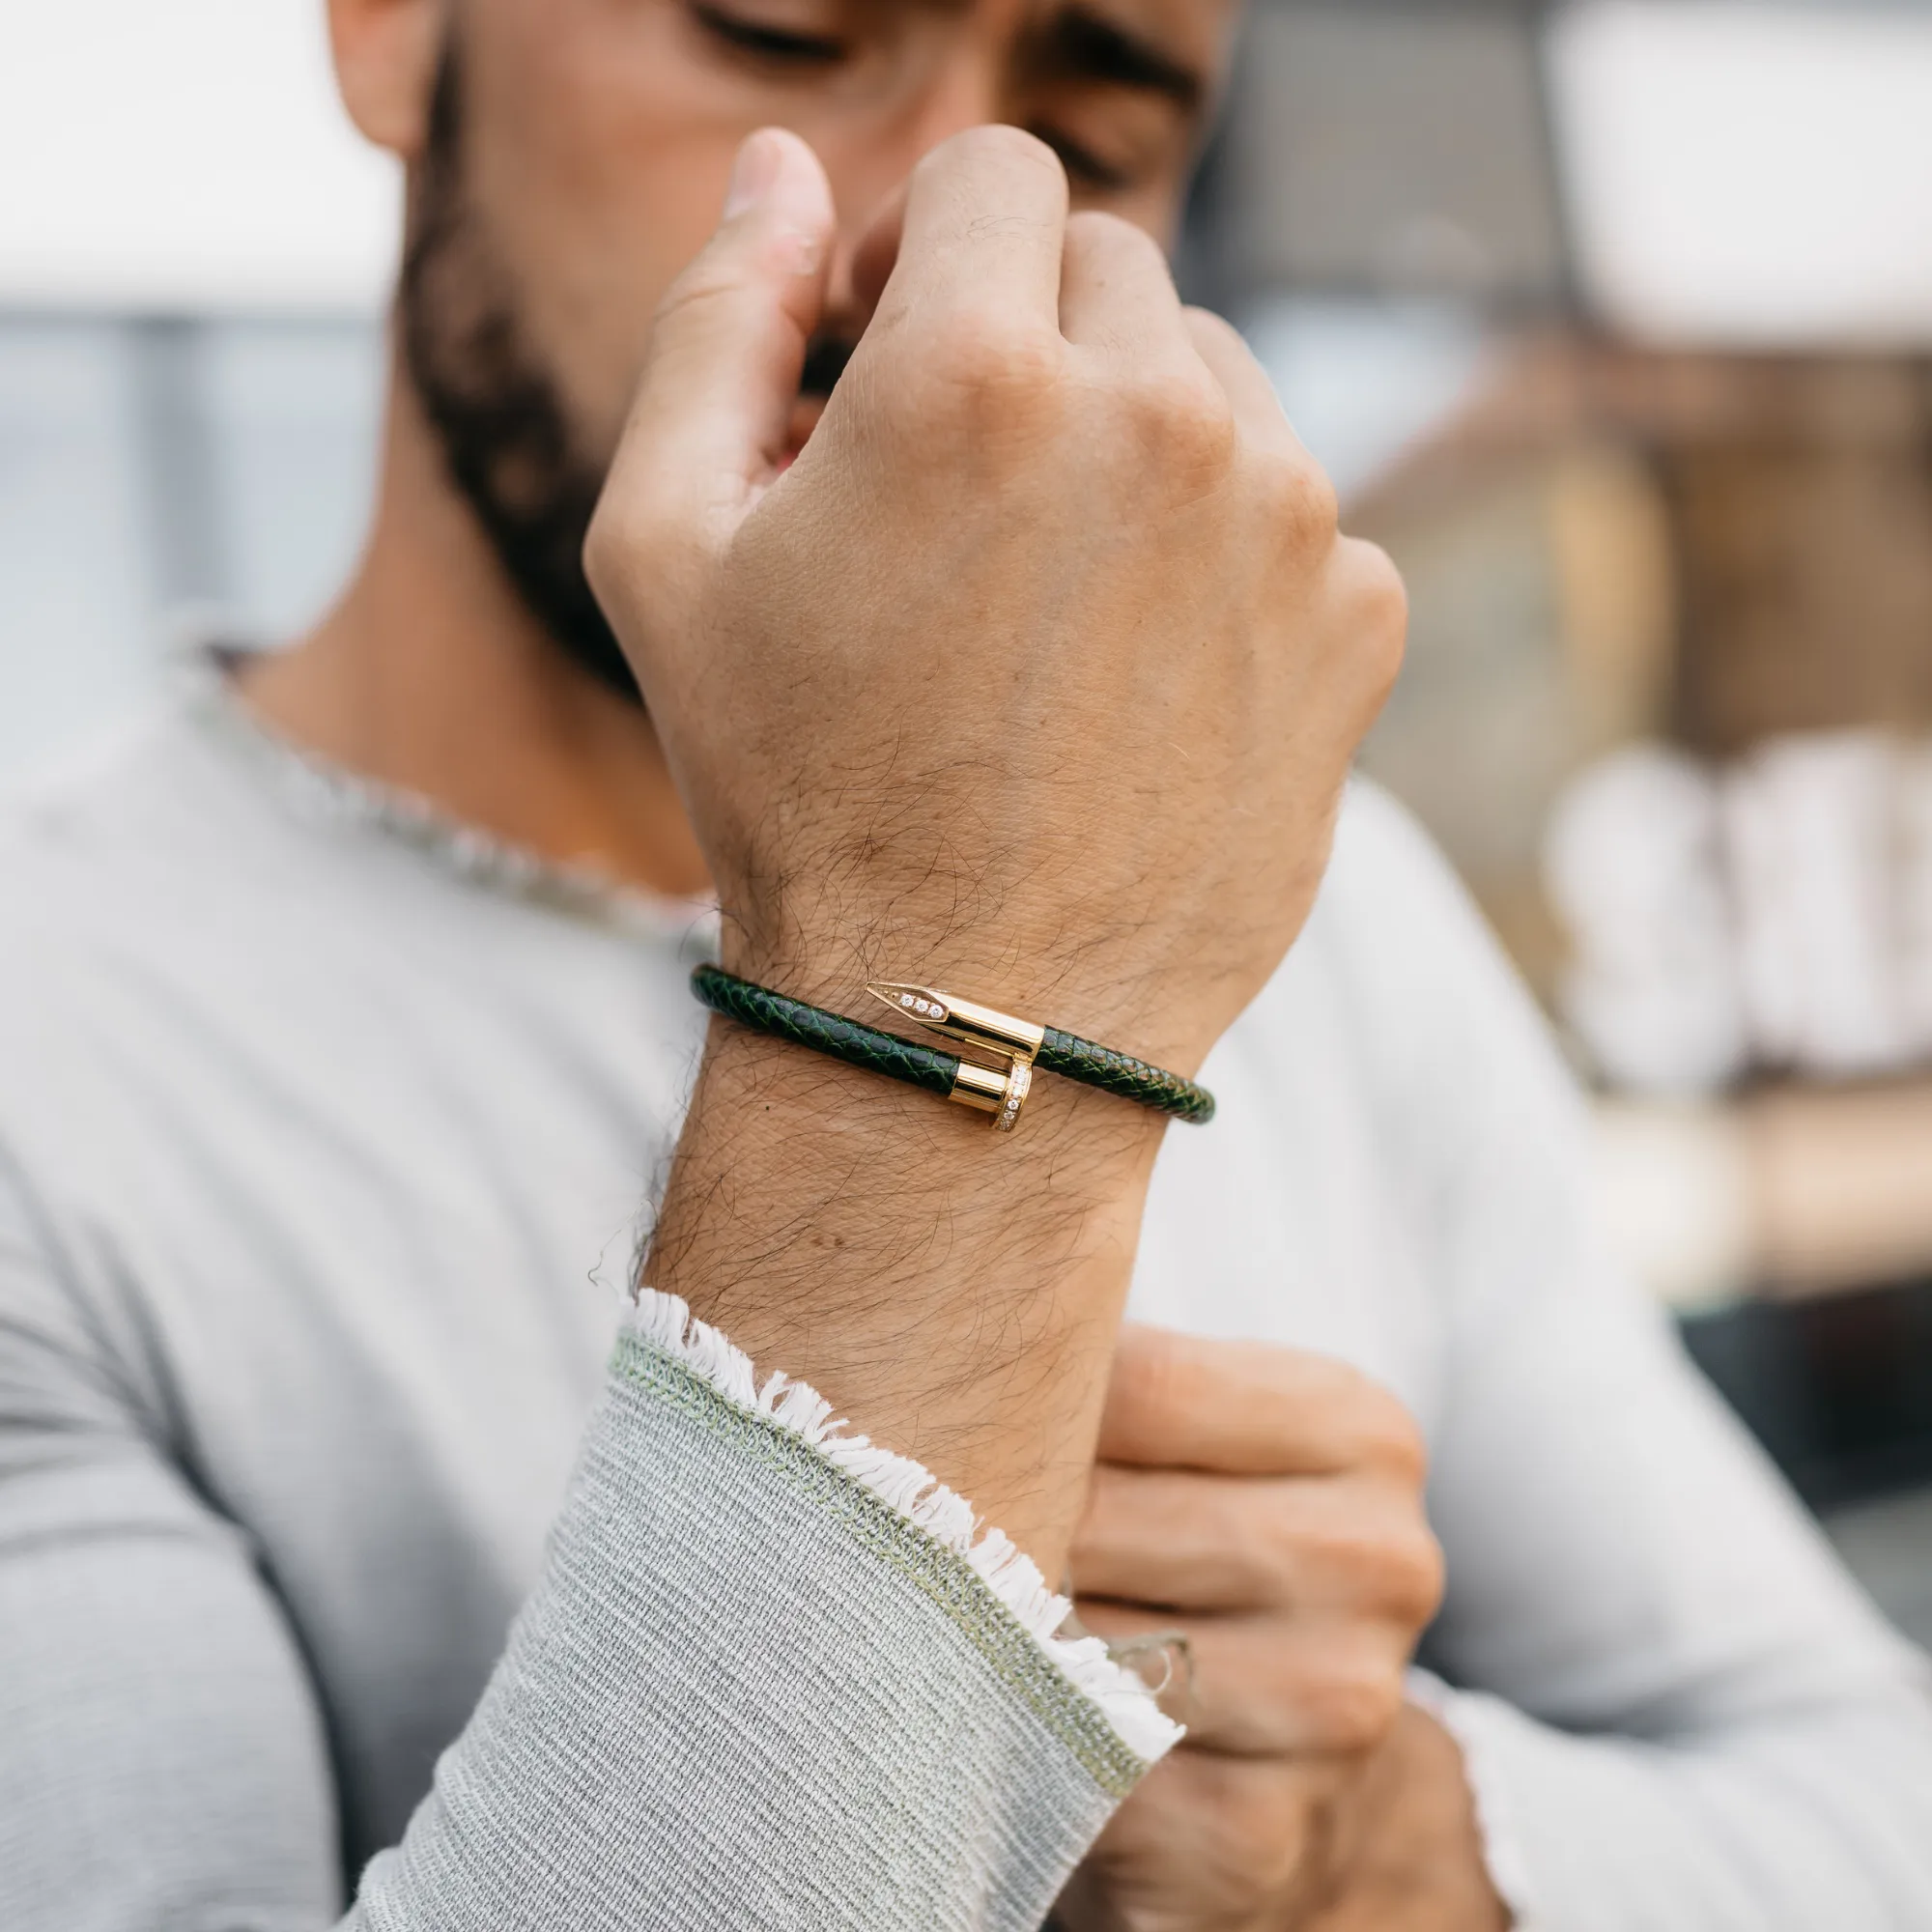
(1609, 543)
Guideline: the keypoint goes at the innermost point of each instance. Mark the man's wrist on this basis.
(984, 955)
(862, 1162)
(956, 1291)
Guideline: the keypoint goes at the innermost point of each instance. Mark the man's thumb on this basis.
(721, 368)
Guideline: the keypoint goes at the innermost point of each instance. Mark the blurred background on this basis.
(1612, 320)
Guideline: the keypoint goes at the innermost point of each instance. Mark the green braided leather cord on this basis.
(1062, 1053)
(1075, 1059)
(766, 1011)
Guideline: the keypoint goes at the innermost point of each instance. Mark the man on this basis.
(345, 1021)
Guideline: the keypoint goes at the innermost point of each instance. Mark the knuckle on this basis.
(1401, 1577)
(1418, 1576)
(986, 368)
(1356, 1705)
(1381, 612)
(1302, 503)
(1185, 423)
(1383, 589)
(1391, 1438)
(1203, 321)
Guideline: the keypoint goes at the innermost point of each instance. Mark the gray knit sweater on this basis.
(360, 1552)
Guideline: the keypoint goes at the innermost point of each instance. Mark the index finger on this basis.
(1183, 1402)
(983, 227)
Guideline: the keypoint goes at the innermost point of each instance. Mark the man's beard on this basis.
(506, 436)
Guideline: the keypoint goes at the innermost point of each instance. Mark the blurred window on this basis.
(76, 575)
(1750, 173)
(157, 474)
(1392, 148)
(181, 158)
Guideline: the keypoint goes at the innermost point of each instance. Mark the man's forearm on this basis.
(1044, 659)
(727, 1603)
(956, 1293)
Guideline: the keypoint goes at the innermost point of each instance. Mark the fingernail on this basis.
(753, 173)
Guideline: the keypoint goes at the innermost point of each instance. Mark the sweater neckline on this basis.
(322, 791)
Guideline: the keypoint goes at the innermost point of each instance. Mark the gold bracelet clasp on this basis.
(1015, 1042)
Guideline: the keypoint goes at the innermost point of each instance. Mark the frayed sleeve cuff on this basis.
(994, 1590)
(771, 1675)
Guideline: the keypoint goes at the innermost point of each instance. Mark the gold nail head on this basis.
(1019, 1084)
(1001, 1093)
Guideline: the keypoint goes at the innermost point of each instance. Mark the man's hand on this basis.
(1040, 671)
(1267, 1503)
(1036, 677)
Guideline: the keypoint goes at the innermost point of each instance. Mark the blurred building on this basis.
(194, 251)
(1612, 318)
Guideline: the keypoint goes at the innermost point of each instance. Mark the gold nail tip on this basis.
(918, 1003)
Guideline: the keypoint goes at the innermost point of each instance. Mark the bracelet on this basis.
(1020, 1044)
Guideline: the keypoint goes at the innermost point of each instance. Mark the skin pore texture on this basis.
(1040, 491)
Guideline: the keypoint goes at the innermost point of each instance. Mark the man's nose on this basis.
(964, 94)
